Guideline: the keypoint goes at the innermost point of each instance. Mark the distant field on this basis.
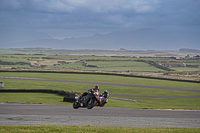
(122, 66)
(52, 61)
(76, 62)
(75, 65)
(132, 69)
(140, 65)
(117, 63)
(186, 69)
(7, 59)
(16, 66)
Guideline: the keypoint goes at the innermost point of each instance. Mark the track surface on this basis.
(29, 114)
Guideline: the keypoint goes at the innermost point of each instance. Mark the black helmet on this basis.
(97, 87)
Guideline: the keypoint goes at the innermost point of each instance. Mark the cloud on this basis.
(9, 5)
(98, 14)
(64, 6)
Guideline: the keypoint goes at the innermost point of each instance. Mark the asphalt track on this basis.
(29, 114)
(33, 115)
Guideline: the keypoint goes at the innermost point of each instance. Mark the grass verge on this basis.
(142, 103)
(91, 129)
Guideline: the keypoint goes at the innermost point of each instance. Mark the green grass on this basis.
(36, 98)
(185, 69)
(142, 102)
(104, 79)
(122, 66)
(14, 59)
(117, 63)
(91, 129)
(16, 66)
(77, 65)
(157, 103)
(132, 69)
(154, 59)
(111, 66)
(197, 63)
(66, 57)
(23, 56)
(105, 58)
(78, 87)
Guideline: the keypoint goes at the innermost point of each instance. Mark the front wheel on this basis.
(76, 105)
(91, 103)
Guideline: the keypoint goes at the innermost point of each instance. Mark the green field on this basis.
(186, 69)
(122, 66)
(142, 102)
(96, 63)
(118, 63)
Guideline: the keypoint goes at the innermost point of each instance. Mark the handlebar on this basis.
(91, 90)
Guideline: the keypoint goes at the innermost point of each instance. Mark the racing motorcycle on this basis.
(90, 99)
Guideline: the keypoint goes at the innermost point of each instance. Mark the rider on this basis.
(100, 97)
(96, 91)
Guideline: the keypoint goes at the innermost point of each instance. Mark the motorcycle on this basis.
(90, 99)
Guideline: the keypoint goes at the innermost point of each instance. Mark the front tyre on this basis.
(76, 105)
(91, 103)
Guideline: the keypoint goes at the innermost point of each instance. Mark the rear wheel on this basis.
(91, 103)
(76, 105)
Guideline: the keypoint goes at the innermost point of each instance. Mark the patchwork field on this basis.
(148, 66)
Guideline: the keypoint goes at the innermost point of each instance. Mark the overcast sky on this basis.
(75, 18)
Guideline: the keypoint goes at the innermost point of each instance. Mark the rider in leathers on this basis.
(100, 99)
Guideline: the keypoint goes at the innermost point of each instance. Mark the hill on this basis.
(141, 39)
